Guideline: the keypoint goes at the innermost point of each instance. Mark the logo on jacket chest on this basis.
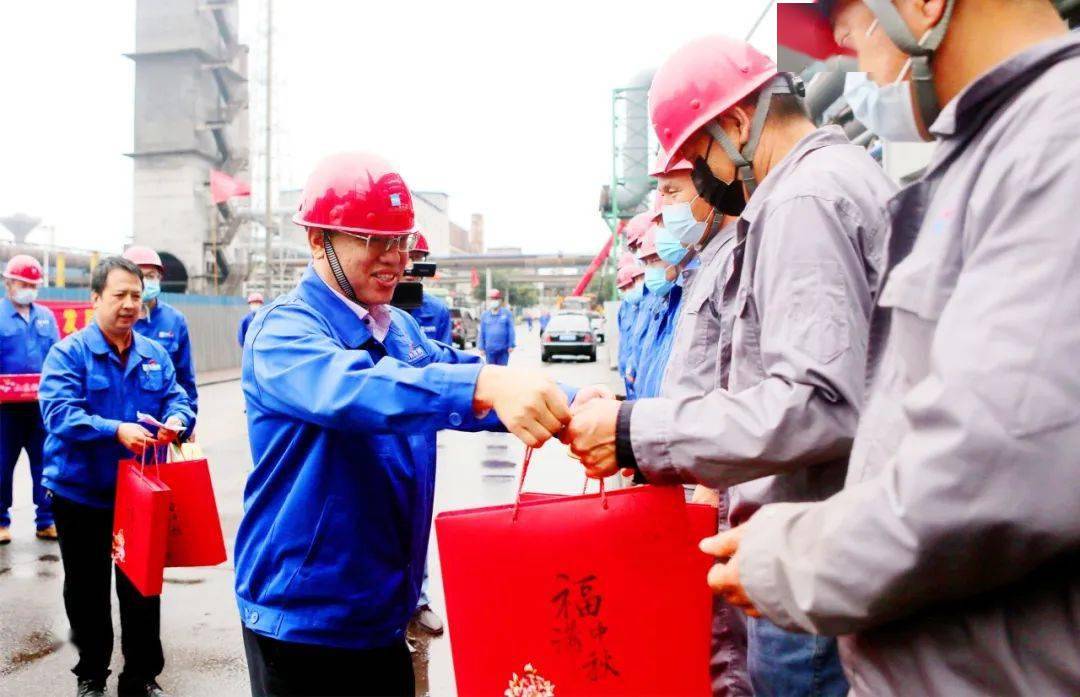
(166, 335)
(416, 352)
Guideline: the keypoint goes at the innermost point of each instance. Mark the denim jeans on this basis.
(788, 664)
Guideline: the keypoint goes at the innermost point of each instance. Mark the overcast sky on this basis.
(505, 106)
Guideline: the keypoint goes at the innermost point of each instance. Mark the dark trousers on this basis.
(283, 669)
(86, 550)
(21, 429)
(497, 357)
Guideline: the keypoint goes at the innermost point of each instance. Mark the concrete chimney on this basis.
(476, 234)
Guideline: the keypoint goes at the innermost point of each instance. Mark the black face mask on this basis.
(726, 197)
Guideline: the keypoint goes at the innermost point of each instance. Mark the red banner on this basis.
(71, 316)
(19, 388)
(223, 187)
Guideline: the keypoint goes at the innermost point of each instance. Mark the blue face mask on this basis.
(633, 295)
(656, 281)
(668, 246)
(888, 112)
(680, 223)
(24, 296)
(151, 289)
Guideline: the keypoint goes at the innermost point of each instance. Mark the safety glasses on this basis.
(402, 244)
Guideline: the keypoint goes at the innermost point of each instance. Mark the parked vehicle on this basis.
(596, 321)
(463, 326)
(568, 334)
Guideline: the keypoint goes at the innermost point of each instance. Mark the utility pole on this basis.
(269, 90)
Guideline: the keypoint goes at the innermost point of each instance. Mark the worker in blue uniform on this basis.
(433, 315)
(27, 332)
(344, 397)
(629, 280)
(162, 322)
(93, 385)
(255, 302)
(496, 335)
(666, 278)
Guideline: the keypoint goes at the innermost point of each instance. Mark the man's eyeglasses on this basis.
(398, 243)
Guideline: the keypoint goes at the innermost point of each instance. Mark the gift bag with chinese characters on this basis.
(600, 594)
(140, 526)
(194, 532)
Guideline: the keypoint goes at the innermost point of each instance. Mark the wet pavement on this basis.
(200, 626)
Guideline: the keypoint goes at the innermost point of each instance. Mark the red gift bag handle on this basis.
(142, 459)
(521, 484)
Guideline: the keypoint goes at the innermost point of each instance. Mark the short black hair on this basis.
(108, 264)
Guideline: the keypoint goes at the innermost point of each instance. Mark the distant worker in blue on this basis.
(162, 322)
(255, 302)
(545, 317)
(433, 315)
(345, 395)
(496, 336)
(93, 385)
(629, 280)
(27, 332)
(655, 345)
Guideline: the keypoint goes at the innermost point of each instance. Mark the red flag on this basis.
(474, 280)
(223, 187)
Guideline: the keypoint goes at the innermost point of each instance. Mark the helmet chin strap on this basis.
(921, 51)
(335, 267)
(785, 83)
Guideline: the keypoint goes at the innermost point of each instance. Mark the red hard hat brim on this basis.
(298, 219)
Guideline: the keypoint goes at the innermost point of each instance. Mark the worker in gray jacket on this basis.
(949, 562)
(795, 310)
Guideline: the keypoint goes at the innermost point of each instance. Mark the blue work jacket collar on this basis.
(348, 328)
(8, 309)
(99, 345)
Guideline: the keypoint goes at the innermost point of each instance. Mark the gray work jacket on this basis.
(792, 339)
(951, 560)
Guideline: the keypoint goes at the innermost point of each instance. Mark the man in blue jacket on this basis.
(162, 322)
(27, 332)
(93, 384)
(344, 396)
(433, 315)
(255, 302)
(496, 337)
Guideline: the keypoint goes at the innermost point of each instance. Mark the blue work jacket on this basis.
(85, 394)
(337, 511)
(244, 324)
(167, 326)
(496, 331)
(656, 344)
(642, 322)
(628, 310)
(25, 342)
(433, 316)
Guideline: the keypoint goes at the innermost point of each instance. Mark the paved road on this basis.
(200, 627)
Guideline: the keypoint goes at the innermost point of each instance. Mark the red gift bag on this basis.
(195, 537)
(601, 594)
(140, 526)
(19, 387)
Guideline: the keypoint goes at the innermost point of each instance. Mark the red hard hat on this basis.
(623, 279)
(143, 256)
(421, 245)
(681, 165)
(495, 294)
(357, 193)
(23, 267)
(648, 243)
(637, 226)
(255, 297)
(700, 82)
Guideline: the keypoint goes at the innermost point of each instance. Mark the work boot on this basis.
(5, 536)
(48, 533)
(91, 688)
(427, 620)
(150, 689)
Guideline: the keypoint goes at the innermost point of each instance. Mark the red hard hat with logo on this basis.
(495, 294)
(143, 256)
(421, 244)
(357, 193)
(700, 82)
(255, 297)
(23, 267)
(636, 228)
